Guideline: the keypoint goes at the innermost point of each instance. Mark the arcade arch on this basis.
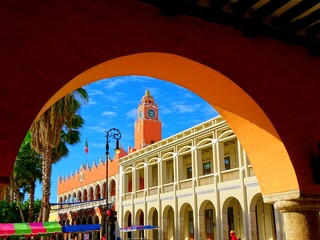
(186, 222)
(250, 123)
(207, 218)
(261, 219)
(168, 223)
(242, 113)
(232, 217)
(127, 222)
(153, 220)
(139, 220)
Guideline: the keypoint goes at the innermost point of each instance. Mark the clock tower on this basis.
(147, 128)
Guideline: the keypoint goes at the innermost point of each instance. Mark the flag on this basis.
(86, 146)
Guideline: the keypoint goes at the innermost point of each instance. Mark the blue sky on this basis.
(113, 104)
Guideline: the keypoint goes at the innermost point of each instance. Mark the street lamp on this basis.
(111, 133)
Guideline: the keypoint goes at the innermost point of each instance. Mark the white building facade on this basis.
(197, 184)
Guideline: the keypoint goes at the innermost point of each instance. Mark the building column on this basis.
(202, 225)
(195, 178)
(246, 210)
(120, 196)
(160, 212)
(225, 230)
(253, 234)
(300, 218)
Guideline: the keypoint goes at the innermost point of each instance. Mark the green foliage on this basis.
(9, 212)
(36, 209)
(27, 168)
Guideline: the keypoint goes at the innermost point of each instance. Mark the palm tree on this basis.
(15, 183)
(69, 136)
(46, 137)
(26, 172)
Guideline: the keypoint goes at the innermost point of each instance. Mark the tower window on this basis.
(152, 141)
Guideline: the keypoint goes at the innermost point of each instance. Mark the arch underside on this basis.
(43, 51)
(252, 126)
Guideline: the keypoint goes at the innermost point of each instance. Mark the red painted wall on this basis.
(46, 44)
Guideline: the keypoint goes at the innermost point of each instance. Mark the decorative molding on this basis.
(164, 198)
(181, 195)
(205, 192)
(251, 184)
(228, 188)
(150, 200)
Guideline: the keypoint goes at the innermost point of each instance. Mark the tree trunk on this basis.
(19, 205)
(31, 201)
(46, 183)
(17, 197)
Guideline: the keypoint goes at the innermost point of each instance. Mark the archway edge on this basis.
(251, 125)
(178, 70)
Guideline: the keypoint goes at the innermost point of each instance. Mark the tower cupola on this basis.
(147, 128)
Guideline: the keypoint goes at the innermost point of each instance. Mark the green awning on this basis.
(22, 229)
(28, 229)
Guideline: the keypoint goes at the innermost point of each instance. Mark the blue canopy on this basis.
(137, 228)
(80, 228)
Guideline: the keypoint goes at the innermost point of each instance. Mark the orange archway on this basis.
(251, 125)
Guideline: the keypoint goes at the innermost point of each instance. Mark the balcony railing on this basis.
(186, 183)
(230, 174)
(128, 196)
(168, 187)
(206, 180)
(140, 193)
(153, 190)
(75, 206)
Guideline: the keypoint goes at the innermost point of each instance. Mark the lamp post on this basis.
(111, 133)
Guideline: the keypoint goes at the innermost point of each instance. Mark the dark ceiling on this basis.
(292, 21)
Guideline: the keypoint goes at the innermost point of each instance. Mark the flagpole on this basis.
(86, 150)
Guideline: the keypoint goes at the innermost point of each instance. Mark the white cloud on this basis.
(188, 95)
(132, 113)
(109, 114)
(207, 110)
(165, 110)
(112, 83)
(95, 92)
(116, 81)
(91, 102)
(186, 108)
(114, 97)
(97, 129)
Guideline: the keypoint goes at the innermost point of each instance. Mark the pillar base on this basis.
(300, 218)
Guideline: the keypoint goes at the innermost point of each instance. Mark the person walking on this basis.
(233, 235)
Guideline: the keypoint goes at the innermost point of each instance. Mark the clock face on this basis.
(151, 113)
(140, 114)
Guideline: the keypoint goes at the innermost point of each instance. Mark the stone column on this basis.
(252, 225)
(300, 218)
